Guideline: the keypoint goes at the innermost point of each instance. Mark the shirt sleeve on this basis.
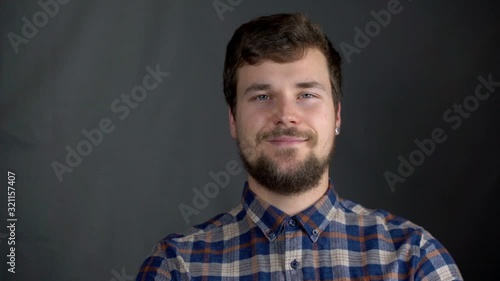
(163, 264)
(152, 268)
(436, 263)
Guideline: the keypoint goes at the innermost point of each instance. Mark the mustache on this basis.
(286, 132)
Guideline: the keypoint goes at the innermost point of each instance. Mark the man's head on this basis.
(282, 82)
(280, 38)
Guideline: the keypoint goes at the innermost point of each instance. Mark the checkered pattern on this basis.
(335, 239)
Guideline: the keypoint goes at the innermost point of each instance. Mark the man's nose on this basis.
(286, 112)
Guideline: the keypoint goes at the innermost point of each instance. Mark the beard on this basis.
(294, 180)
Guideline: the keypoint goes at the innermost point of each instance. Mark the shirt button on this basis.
(294, 264)
(271, 234)
(292, 222)
(315, 232)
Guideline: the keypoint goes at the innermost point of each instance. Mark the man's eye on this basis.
(262, 97)
(307, 95)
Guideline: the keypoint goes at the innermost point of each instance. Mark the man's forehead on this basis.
(309, 54)
(288, 75)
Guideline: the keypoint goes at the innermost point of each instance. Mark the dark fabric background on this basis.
(99, 221)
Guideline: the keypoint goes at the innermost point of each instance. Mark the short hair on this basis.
(280, 38)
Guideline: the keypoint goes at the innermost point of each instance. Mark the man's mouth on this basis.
(286, 140)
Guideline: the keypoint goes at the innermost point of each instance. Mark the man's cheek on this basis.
(247, 149)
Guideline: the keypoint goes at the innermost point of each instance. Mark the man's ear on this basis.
(338, 120)
(232, 124)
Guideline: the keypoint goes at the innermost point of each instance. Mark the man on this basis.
(282, 82)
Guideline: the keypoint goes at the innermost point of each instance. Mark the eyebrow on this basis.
(254, 87)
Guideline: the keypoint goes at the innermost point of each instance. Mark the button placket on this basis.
(294, 264)
(293, 242)
(314, 235)
(270, 235)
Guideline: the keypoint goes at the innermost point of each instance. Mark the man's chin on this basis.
(288, 166)
(286, 177)
(286, 155)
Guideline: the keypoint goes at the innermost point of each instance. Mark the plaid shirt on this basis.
(335, 239)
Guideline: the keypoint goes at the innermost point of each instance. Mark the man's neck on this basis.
(290, 204)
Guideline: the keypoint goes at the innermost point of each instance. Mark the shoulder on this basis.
(405, 240)
(390, 231)
(353, 212)
(396, 229)
(172, 255)
(210, 229)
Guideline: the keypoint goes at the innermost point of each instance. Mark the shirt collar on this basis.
(271, 220)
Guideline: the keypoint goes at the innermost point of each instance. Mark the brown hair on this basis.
(280, 38)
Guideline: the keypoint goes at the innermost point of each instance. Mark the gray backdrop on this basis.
(99, 179)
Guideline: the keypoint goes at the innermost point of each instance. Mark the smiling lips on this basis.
(286, 140)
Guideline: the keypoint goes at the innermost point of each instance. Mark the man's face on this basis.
(285, 122)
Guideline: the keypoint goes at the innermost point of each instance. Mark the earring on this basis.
(337, 130)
